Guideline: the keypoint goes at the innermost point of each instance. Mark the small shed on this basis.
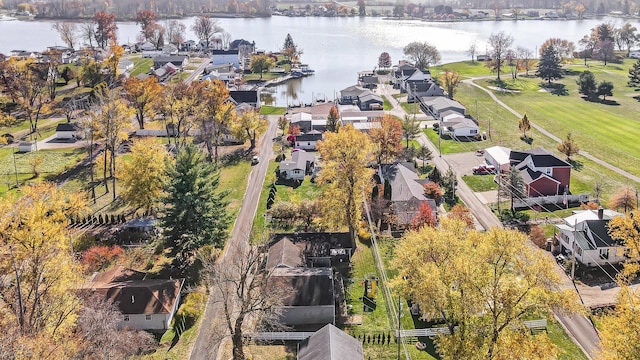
(27, 146)
(330, 343)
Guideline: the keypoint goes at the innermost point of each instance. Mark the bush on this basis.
(364, 235)
(83, 242)
(190, 310)
(536, 234)
(97, 257)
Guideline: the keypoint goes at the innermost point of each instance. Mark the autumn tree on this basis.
(625, 199)
(568, 147)
(247, 126)
(106, 28)
(68, 33)
(384, 60)
(423, 217)
(422, 54)
(179, 104)
(147, 21)
(143, 175)
(525, 59)
(205, 29)
(37, 265)
(114, 125)
(283, 124)
(549, 66)
(176, 32)
(290, 49)
(141, 95)
(564, 49)
(462, 213)
(261, 63)
(196, 213)
(344, 177)
(500, 44)
(246, 290)
(334, 117)
(628, 36)
(215, 114)
(524, 125)
(89, 73)
(482, 286)
(450, 80)
(387, 139)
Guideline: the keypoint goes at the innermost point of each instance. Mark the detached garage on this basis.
(498, 156)
(66, 131)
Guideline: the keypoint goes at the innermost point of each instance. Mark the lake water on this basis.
(337, 48)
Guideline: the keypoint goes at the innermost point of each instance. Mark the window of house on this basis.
(308, 144)
(549, 171)
(147, 317)
(604, 253)
(126, 318)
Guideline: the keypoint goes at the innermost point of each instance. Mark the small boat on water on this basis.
(304, 68)
(4, 17)
(296, 73)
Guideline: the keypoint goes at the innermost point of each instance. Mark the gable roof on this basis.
(284, 253)
(370, 97)
(442, 102)
(142, 296)
(117, 274)
(310, 136)
(246, 96)
(403, 182)
(66, 127)
(305, 286)
(301, 116)
(353, 91)
(539, 156)
(529, 175)
(598, 231)
(299, 160)
(330, 343)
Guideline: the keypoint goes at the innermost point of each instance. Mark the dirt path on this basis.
(552, 136)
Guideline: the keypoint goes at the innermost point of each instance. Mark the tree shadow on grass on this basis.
(600, 101)
(637, 97)
(554, 88)
(576, 165)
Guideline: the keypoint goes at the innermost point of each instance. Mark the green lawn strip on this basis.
(54, 162)
(386, 105)
(140, 65)
(449, 146)
(464, 68)
(411, 108)
(568, 350)
(46, 128)
(480, 183)
(179, 77)
(266, 76)
(272, 110)
(257, 229)
(235, 178)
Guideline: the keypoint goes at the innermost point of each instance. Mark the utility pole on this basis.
(15, 167)
(399, 324)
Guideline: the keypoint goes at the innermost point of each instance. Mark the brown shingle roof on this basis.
(142, 296)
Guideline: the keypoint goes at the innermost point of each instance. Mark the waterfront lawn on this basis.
(140, 65)
(464, 68)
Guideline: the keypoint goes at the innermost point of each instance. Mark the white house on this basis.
(308, 141)
(27, 146)
(301, 164)
(66, 131)
(585, 234)
(455, 124)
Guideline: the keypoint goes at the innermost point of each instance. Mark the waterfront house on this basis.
(543, 172)
(308, 140)
(179, 61)
(219, 57)
(251, 97)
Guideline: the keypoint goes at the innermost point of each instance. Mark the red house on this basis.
(543, 173)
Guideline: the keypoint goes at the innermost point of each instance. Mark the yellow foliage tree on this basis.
(214, 114)
(482, 286)
(345, 176)
(387, 139)
(36, 262)
(179, 105)
(450, 80)
(143, 176)
(247, 126)
(141, 95)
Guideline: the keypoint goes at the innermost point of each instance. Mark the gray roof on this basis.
(370, 97)
(305, 286)
(330, 343)
(353, 91)
(442, 102)
(298, 160)
(407, 191)
(284, 253)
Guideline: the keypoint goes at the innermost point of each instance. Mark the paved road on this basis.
(555, 138)
(212, 328)
(578, 327)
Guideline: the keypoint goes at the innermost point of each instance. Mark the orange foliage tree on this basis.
(424, 216)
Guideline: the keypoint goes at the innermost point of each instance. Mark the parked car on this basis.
(484, 169)
(635, 55)
(255, 160)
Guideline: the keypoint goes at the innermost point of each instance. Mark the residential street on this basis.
(578, 327)
(212, 328)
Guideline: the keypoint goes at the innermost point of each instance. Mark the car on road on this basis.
(484, 169)
(255, 160)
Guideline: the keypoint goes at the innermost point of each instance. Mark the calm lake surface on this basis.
(337, 48)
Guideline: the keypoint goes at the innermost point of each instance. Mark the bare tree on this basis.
(472, 50)
(176, 32)
(499, 43)
(68, 32)
(241, 286)
(88, 33)
(206, 28)
(100, 336)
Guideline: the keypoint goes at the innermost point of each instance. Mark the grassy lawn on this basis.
(480, 183)
(567, 349)
(464, 68)
(266, 76)
(450, 146)
(235, 178)
(272, 110)
(140, 65)
(410, 108)
(179, 77)
(386, 105)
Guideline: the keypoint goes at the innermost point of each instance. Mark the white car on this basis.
(255, 160)
(635, 55)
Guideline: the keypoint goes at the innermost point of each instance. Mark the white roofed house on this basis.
(498, 156)
(585, 234)
(302, 163)
(455, 124)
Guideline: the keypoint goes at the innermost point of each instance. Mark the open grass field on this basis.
(466, 69)
(272, 110)
(480, 183)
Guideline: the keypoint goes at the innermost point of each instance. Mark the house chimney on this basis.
(133, 299)
(600, 213)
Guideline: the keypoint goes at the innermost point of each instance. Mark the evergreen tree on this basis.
(549, 66)
(605, 88)
(634, 76)
(587, 84)
(435, 175)
(196, 212)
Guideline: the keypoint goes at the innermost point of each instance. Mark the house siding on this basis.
(542, 187)
(139, 322)
(564, 176)
(296, 174)
(306, 145)
(65, 134)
